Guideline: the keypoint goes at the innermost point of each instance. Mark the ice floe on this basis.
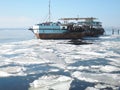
(51, 83)
(54, 64)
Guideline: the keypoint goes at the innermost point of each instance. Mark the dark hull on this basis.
(70, 35)
(95, 32)
(73, 35)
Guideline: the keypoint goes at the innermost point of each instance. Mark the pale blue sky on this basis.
(24, 13)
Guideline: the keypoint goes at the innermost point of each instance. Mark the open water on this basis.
(27, 63)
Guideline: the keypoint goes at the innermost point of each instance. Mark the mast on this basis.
(49, 11)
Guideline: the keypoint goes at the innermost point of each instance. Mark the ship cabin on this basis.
(49, 28)
(93, 24)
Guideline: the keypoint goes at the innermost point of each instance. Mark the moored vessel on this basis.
(69, 28)
(50, 30)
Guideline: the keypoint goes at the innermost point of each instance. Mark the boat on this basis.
(69, 28)
(90, 26)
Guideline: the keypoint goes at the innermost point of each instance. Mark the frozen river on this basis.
(27, 63)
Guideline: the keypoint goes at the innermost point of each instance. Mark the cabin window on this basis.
(63, 27)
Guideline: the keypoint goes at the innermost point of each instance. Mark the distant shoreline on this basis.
(13, 28)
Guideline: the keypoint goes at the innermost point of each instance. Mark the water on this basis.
(27, 63)
(14, 35)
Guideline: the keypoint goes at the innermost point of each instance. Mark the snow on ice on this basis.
(55, 64)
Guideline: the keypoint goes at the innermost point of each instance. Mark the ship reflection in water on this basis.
(78, 42)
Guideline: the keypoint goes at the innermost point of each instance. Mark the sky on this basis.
(25, 13)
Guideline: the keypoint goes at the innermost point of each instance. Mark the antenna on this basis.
(49, 11)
